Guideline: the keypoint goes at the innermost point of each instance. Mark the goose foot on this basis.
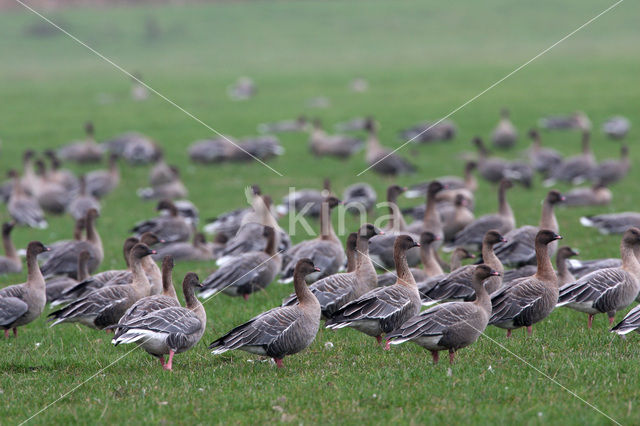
(590, 321)
(161, 358)
(245, 296)
(610, 322)
(508, 333)
(436, 356)
(169, 364)
(452, 355)
(386, 345)
(529, 330)
(279, 363)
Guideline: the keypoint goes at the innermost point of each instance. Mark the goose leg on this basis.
(611, 318)
(452, 355)
(590, 321)
(508, 333)
(245, 296)
(386, 345)
(15, 331)
(6, 333)
(379, 339)
(169, 363)
(435, 356)
(161, 358)
(529, 330)
(279, 362)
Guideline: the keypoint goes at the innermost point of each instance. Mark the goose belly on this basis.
(369, 327)
(257, 350)
(586, 307)
(429, 342)
(155, 343)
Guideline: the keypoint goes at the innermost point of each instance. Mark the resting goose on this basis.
(580, 268)
(528, 300)
(612, 223)
(83, 202)
(383, 160)
(383, 309)
(64, 177)
(134, 147)
(430, 266)
(450, 326)
(59, 284)
(468, 183)
(543, 160)
(563, 273)
(52, 196)
(595, 195)
(612, 170)
(459, 283)
(607, 290)
(575, 169)
(471, 235)
(281, 331)
(227, 223)
(505, 134)
(247, 273)
(64, 260)
(22, 303)
(616, 127)
(105, 306)
(490, 168)
(443, 130)
(170, 330)
(284, 126)
(243, 89)
(24, 208)
(520, 248)
(578, 120)
(325, 251)
(10, 263)
(359, 197)
(336, 290)
(87, 151)
(101, 182)
(171, 228)
(173, 190)
(198, 250)
(341, 146)
(305, 201)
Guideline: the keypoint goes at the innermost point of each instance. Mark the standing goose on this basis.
(24, 208)
(575, 169)
(459, 283)
(87, 151)
(52, 196)
(431, 219)
(170, 330)
(564, 276)
(595, 195)
(450, 326)
(59, 284)
(505, 134)
(10, 263)
(247, 273)
(612, 223)
(528, 300)
(336, 290)
(468, 184)
(171, 228)
(359, 197)
(22, 303)
(383, 160)
(460, 217)
(105, 306)
(383, 309)
(101, 182)
(198, 250)
(543, 160)
(325, 251)
(520, 248)
(607, 290)
(83, 202)
(305, 201)
(612, 170)
(281, 331)
(341, 146)
(490, 168)
(65, 258)
(471, 236)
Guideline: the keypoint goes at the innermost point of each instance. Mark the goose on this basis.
(431, 220)
(612, 223)
(171, 228)
(340, 146)
(457, 218)
(528, 300)
(336, 290)
(459, 283)
(490, 168)
(61, 176)
(262, 147)
(578, 120)
(359, 197)
(30, 179)
(243, 89)
(56, 286)
(607, 290)
(452, 183)
(595, 195)
(105, 306)
(10, 263)
(575, 169)
(563, 273)
(383, 309)
(167, 191)
(281, 331)
(612, 170)
(359, 85)
(325, 251)
(580, 268)
(543, 160)
(170, 330)
(616, 127)
(305, 201)
(631, 322)
(350, 249)
(87, 151)
(505, 134)
(383, 160)
(520, 248)
(161, 172)
(381, 246)
(471, 235)
(450, 326)
(297, 125)
(227, 223)
(77, 235)
(134, 147)
(208, 151)
(101, 182)
(83, 202)
(53, 197)
(198, 250)
(443, 130)
(20, 304)
(353, 125)
(247, 273)
(24, 208)
(65, 258)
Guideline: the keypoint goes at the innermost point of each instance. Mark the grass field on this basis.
(422, 60)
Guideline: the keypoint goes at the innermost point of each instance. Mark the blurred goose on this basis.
(457, 218)
(53, 197)
(341, 146)
(83, 202)
(64, 260)
(262, 147)
(575, 169)
(209, 151)
(631, 322)
(580, 268)
(431, 220)
(520, 248)
(22, 303)
(10, 263)
(336, 290)
(427, 132)
(166, 191)
(471, 236)
(297, 125)
(490, 168)
(305, 201)
(607, 290)
(105, 306)
(170, 330)
(616, 127)
(325, 251)
(450, 326)
(383, 309)
(77, 235)
(281, 331)
(452, 184)
(543, 160)
(171, 228)
(30, 179)
(353, 125)
(595, 195)
(24, 208)
(247, 273)
(198, 250)
(243, 89)
(226, 224)
(101, 182)
(612, 223)
(528, 300)
(134, 147)
(563, 273)
(59, 284)
(459, 283)
(64, 177)
(382, 160)
(578, 120)
(505, 134)
(359, 197)
(161, 172)
(612, 170)
(87, 151)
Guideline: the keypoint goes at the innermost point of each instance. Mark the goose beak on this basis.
(558, 237)
(495, 274)
(417, 245)
(153, 252)
(47, 248)
(438, 237)
(472, 256)
(162, 241)
(563, 198)
(503, 240)
(380, 232)
(315, 268)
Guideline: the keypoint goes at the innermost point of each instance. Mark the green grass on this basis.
(422, 60)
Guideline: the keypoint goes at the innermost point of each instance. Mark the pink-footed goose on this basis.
(59, 284)
(612, 223)
(607, 290)
(456, 218)
(322, 144)
(305, 201)
(450, 326)
(198, 250)
(170, 330)
(612, 170)
(87, 151)
(562, 270)
(83, 201)
(281, 331)
(595, 195)
(431, 219)
(543, 160)
(575, 169)
(65, 177)
(171, 228)
(173, 190)
(22, 303)
(23, 207)
(102, 182)
(467, 184)
(350, 249)
(336, 290)
(382, 160)
(505, 134)
(10, 263)
(616, 127)
(386, 308)
(528, 300)
(52, 196)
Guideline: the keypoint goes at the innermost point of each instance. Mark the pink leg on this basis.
(6, 334)
(279, 362)
(452, 355)
(169, 363)
(590, 321)
(386, 345)
(379, 339)
(15, 332)
(508, 333)
(436, 356)
(162, 360)
(245, 296)
(529, 330)
(610, 320)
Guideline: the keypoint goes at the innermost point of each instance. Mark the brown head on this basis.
(35, 248)
(88, 128)
(305, 267)
(478, 143)
(189, 282)
(351, 241)
(370, 124)
(566, 252)
(167, 205)
(427, 238)
(332, 201)
(461, 201)
(545, 236)
(631, 236)
(140, 251)
(199, 238)
(256, 189)
(504, 113)
(624, 151)
(28, 155)
(268, 232)
(533, 134)
(369, 231)
(404, 243)
(554, 197)
(92, 214)
(150, 239)
(268, 201)
(470, 166)
(55, 163)
(434, 187)
(394, 191)
(506, 184)
(493, 237)
(129, 243)
(221, 239)
(463, 253)
(482, 272)
(12, 174)
(7, 227)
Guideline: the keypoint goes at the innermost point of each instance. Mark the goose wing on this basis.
(596, 287)
(384, 303)
(11, 308)
(435, 321)
(520, 246)
(515, 300)
(456, 285)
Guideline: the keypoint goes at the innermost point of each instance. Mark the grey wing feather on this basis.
(456, 285)
(514, 300)
(11, 308)
(592, 286)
